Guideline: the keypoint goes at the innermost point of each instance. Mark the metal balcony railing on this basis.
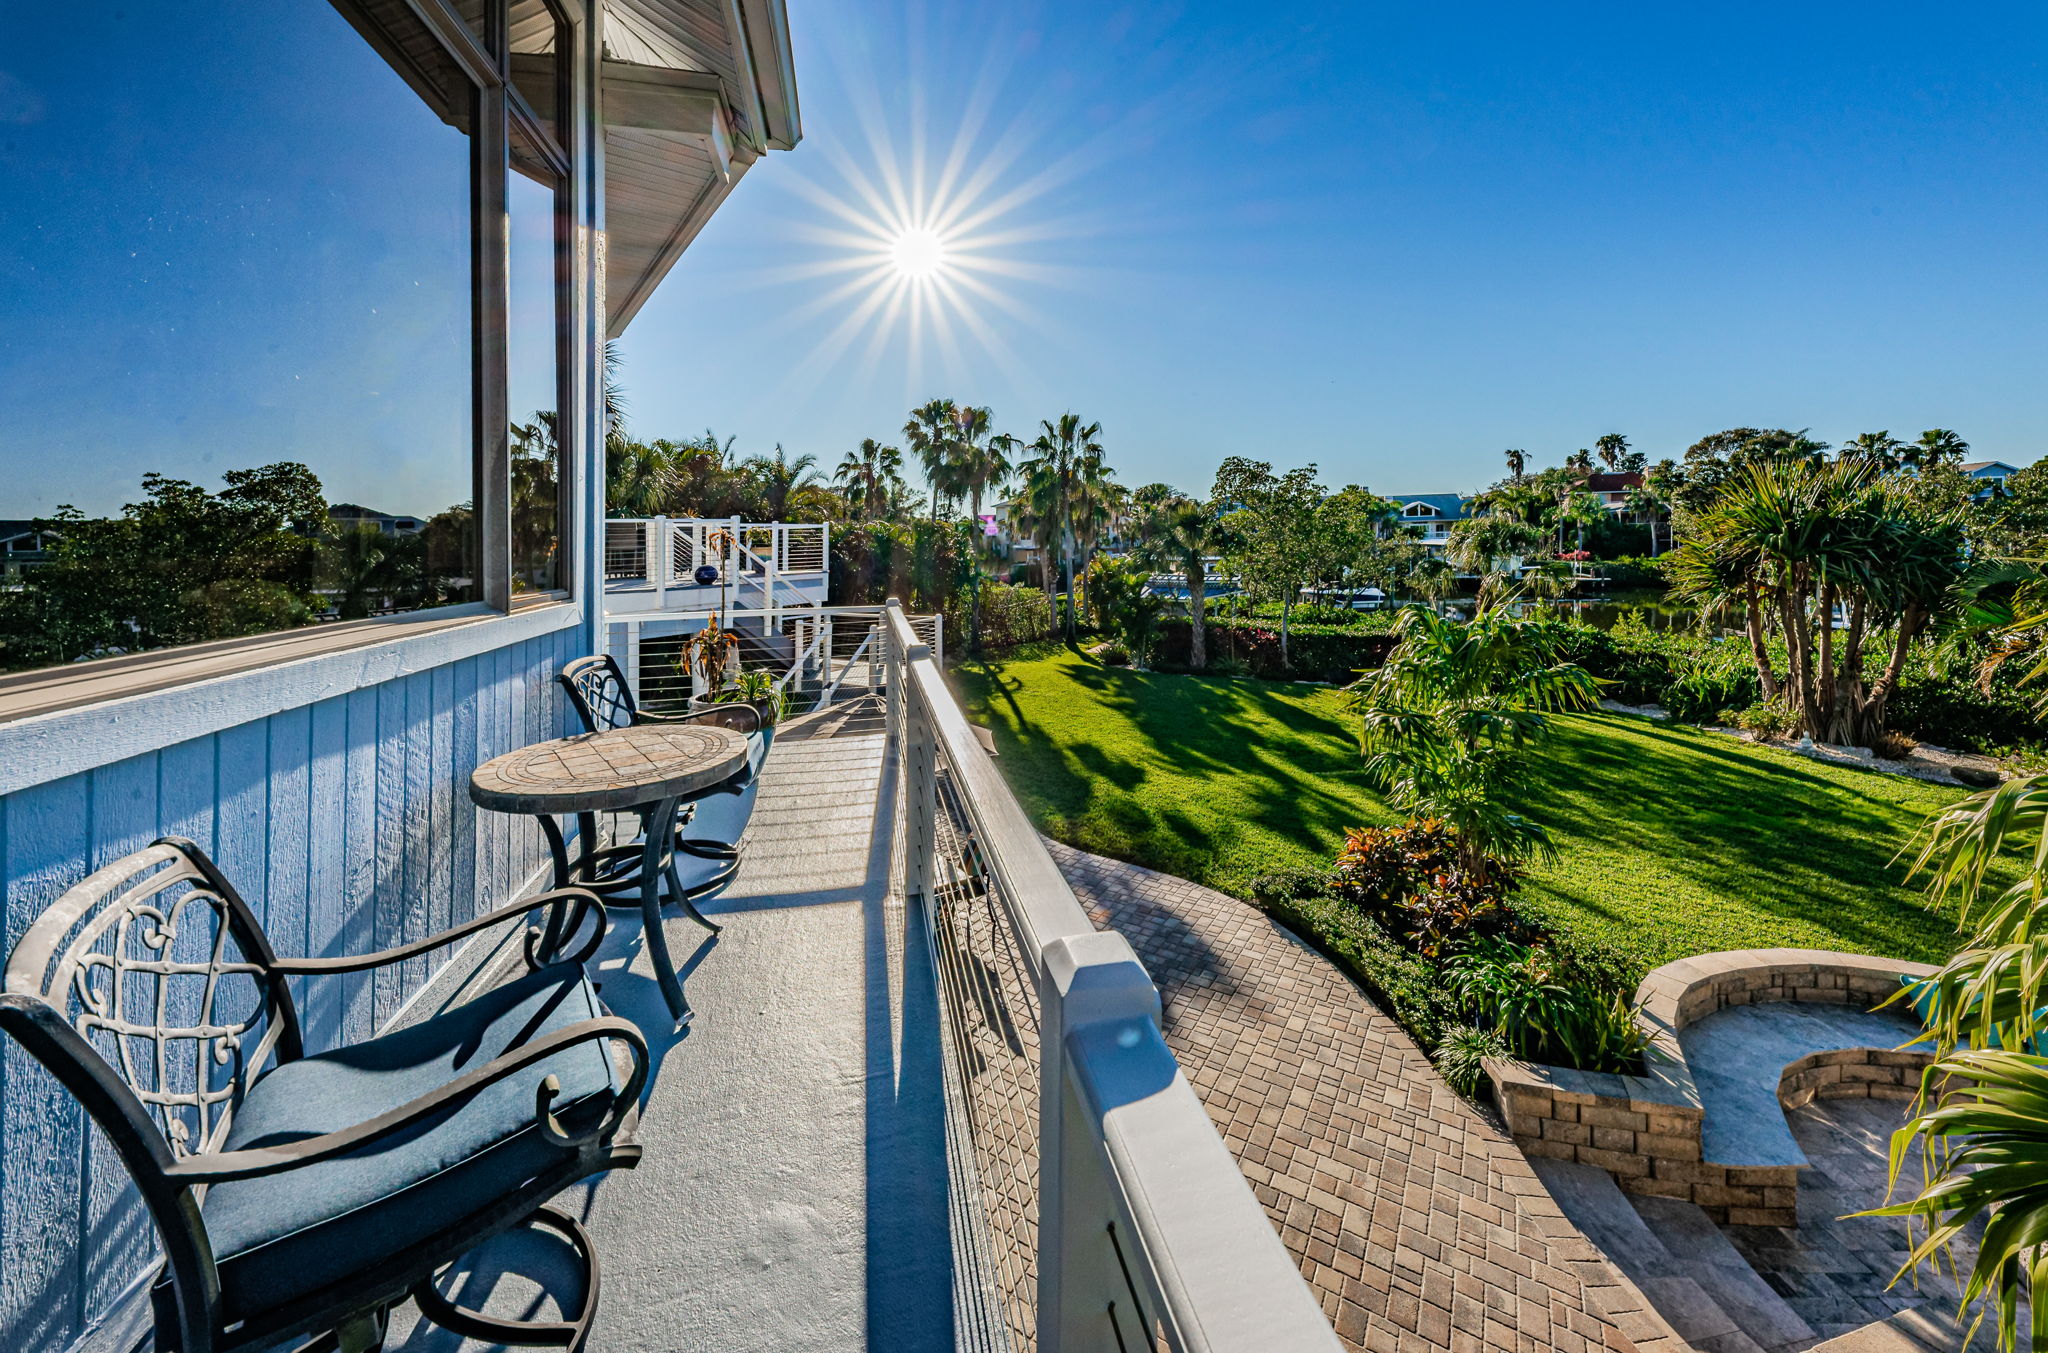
(1112, 1215)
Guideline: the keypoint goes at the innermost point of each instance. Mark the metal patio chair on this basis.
(301, 1195)
(710, 826)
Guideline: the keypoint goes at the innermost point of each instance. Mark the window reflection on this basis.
(538, 39)
(533, 378)
(235, 332)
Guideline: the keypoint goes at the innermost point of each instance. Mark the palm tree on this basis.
(864, 477)
(1647, 504)
(932, 433)
(1068, 460)
(1789, 541)
(1480, 545)
(1180, 533)
(1518, 464)
(780, 478)
(1612, 447)
(1434, 579)
(638, 478)
(1579, 461)
(1879, 449)
(1448, 719)
(1033, 508)
(981, 457)
(1937, 446)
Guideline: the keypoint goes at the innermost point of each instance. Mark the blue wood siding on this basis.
(349, 826)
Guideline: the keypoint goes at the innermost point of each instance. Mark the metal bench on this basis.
(299, 1194)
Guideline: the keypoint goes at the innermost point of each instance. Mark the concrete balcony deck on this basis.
(794, 1189)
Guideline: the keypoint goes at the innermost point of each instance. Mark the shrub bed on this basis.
(1463, 969)
(1335, 653)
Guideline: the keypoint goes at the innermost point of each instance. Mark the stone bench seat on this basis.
(1752, 1062)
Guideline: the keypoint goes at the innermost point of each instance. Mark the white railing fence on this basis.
(820, 654)
(667, 551)
(1146, 1233)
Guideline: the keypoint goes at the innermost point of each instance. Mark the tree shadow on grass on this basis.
(1774, 844)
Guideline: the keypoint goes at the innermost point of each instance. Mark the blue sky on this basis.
(1394, 240)
(254, 249)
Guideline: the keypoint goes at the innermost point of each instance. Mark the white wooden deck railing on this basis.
(666, 551)
(1147, 1233)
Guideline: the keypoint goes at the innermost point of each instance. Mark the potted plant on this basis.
(756, 688)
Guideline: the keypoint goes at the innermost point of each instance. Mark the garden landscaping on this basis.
(1671, 840)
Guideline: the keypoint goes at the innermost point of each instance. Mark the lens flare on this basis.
(918, 253)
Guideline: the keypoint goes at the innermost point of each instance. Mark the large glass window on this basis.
(236, 328)
(533, 371)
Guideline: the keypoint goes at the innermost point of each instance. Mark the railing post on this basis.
(920, 759)
(1084, 980)
(921, 797)
(825, 652)
(659, 556)
(633, 659)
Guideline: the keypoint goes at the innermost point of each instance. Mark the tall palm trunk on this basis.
(1198, 600)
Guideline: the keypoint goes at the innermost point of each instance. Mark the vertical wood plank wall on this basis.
(348, 825)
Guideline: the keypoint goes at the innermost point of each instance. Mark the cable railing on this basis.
(1113, 1217)
(668, 551)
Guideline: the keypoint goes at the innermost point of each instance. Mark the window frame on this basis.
(499, 107)
(545, 137)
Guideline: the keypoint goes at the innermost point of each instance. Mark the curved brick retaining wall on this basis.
(1645, 1130)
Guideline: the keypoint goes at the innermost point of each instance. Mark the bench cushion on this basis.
(286, 1235)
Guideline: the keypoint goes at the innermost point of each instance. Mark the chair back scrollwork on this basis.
(163, 971)
(597, 689)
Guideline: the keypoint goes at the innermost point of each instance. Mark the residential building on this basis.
(347, 515)
(1992, 474)
(23, 545)
(1434, 513)
(1613, 489)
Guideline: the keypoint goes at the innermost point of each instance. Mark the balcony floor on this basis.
(793, 1194)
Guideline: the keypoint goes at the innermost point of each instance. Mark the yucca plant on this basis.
(1984, 1151)
(1981, 1123)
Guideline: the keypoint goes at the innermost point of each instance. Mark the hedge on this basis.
(1335, 653)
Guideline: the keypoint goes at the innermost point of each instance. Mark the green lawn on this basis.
(1672, 840)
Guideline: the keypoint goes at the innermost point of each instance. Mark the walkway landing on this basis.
(1418, 1223)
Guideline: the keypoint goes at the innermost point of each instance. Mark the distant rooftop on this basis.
(1450, 506)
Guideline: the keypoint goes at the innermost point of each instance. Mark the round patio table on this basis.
(647, 769)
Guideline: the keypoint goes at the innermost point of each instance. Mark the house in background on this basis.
(1612, 489)
(1991, 474)
(346, 515)
(23, 545)
(1433, 513)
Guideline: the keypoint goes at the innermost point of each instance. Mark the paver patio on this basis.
(1418, 1223)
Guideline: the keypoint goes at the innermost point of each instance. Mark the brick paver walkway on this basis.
(1419, 1224)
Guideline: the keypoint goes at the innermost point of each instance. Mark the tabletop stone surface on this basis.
(619, 768)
